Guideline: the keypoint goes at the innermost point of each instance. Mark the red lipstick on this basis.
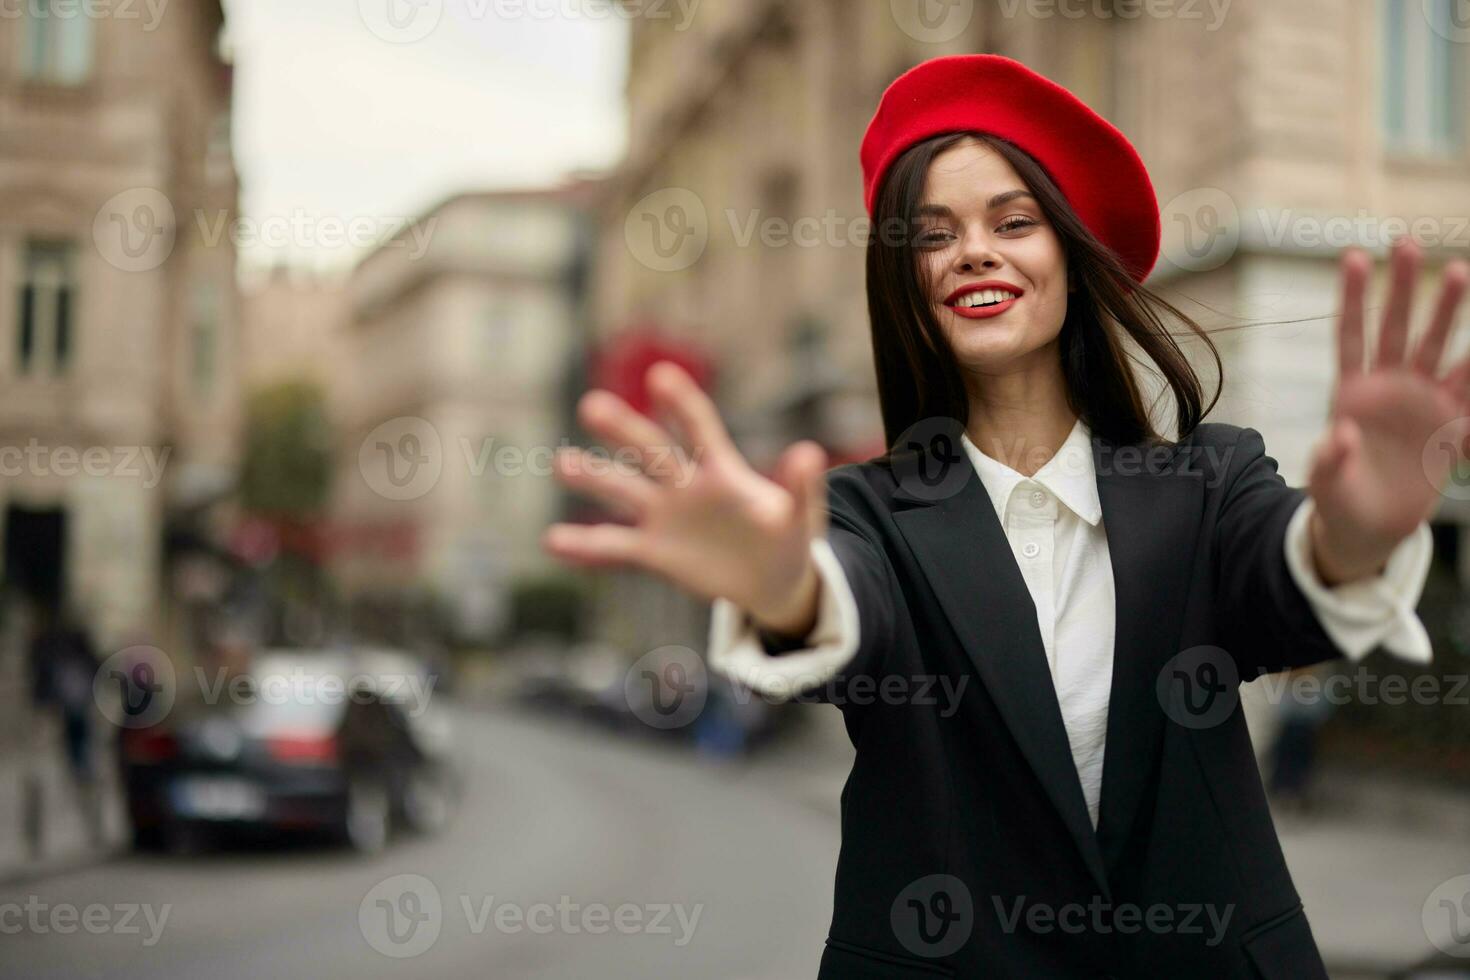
(983, 312)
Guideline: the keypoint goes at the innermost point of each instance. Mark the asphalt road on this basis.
(574, 855)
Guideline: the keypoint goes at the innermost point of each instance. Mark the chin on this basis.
(981, 342)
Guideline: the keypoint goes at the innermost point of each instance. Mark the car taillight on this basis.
(146, 745)
(303, 749)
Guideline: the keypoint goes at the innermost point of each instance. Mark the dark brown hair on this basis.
(918, 375)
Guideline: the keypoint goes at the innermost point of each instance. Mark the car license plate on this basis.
(217, 798)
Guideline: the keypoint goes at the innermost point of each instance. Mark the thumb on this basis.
(802, 470)
(1343, 438)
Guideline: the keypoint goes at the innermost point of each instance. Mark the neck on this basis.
(1021, 417)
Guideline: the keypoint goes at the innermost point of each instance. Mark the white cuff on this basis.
(735, 650)
(1362, 614)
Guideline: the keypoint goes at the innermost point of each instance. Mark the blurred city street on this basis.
(552, 814)
(549, 813)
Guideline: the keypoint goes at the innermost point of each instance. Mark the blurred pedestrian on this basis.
(1303, 710)
(63, 668)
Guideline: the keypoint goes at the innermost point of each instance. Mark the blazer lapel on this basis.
(959, 543)
(1152, 519)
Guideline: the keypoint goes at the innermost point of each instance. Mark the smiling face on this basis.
(992, 266)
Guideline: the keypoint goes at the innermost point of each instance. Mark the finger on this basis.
(1330, 455)
(592, 544)
(621, 426)
(1451, 291)
(1457, 378)
(1355, 266)
(1403, 270)
(605, 480)
(802, 469)
(678, 394)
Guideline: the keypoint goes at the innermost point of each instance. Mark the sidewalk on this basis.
(1364, 883)
(46, 819)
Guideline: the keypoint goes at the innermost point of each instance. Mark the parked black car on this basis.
(353, 745)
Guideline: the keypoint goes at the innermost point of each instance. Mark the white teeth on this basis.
(984, 297)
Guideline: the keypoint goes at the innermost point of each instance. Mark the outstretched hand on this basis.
(698, 514)
(1371, 478)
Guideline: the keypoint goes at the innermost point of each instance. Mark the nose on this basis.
(977, 255)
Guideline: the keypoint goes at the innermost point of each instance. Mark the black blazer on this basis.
(967, 850)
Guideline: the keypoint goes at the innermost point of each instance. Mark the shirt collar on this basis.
(1069, 475)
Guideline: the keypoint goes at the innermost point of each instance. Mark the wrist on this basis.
(1340, 558)
(794, 613)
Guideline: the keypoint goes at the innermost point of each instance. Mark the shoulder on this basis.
(864, 488)
(1230, 457)
(1226, 439)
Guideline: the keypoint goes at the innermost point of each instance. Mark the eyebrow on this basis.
(943, 211)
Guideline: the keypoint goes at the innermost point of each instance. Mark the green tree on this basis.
(287, 471)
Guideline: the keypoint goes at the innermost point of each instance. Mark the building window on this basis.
(56, 43)
(205, 331)
(1423, 92)
(47, 302)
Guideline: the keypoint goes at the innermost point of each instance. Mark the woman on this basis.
(1034, 609)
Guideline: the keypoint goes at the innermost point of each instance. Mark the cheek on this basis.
(931, 275)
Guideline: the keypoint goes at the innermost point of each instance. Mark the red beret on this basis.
(1092, 163)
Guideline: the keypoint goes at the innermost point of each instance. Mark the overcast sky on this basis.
(340, 113)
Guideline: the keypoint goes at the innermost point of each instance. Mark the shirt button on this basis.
(1038, 498)
(1031, 549)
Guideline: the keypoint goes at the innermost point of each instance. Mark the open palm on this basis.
(1378, 471)
(699, 515)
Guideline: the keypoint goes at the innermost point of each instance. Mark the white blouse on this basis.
(1053, 521)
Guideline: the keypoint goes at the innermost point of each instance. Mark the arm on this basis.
(1268, 621)
(853, 626)
(1376, 610)
(1305, 576)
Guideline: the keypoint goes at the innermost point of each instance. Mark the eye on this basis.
(1017, 221)
(934, 237)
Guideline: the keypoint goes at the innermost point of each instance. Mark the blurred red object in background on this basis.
(623, 360)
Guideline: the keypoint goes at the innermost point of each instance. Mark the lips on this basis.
(994, 296)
